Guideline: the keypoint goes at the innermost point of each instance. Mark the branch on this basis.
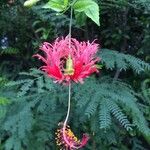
(124, 44)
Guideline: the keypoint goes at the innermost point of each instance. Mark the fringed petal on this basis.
(70, 141)
(83, 56)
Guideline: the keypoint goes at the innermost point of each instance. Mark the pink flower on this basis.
(64, 63)
(69, 141)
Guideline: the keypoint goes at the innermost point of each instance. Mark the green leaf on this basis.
(93, 13)
(66, 3)
(2, 111)
(80, 18)
(56, 5)
(90, 8)
(82, 5)
(4, 101)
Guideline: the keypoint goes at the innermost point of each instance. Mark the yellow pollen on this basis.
(69, 66)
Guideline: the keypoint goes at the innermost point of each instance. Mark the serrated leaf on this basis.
(56, 5)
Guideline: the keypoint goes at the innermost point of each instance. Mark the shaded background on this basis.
(125, 28)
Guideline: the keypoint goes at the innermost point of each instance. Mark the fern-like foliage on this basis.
(114, 59)
(104, 115)
(9, 51)
(36, 77)
(2, 81)
(36, 99)
(115, 101)
(4, 102)
(136, 4)
(102, 106)
(58, 21)
(143, 3)
(146, 90)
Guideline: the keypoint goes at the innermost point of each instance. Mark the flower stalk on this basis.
(66, 119)
(70, 26)
(68, 60)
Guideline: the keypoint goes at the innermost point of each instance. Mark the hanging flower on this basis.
(69, 60)
(69, 141)
(64, 62)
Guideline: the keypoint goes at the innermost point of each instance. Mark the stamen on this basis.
(66, 139)
(69, 66)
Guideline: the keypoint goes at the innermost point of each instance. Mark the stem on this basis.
(70, 27)
(69, 96)
(71, 145)
(68, 111)
(66, 119)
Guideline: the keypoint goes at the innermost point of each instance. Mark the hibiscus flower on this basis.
(65, 63)
(68, 60)
(69, 141)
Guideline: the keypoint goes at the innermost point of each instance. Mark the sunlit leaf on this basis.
(82, 5)
(66, 3)
(90, 8)
(93, 13)
(56, 5)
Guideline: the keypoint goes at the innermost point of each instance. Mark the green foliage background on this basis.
(113, 107)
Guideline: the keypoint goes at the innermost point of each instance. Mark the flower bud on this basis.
(30, 3)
